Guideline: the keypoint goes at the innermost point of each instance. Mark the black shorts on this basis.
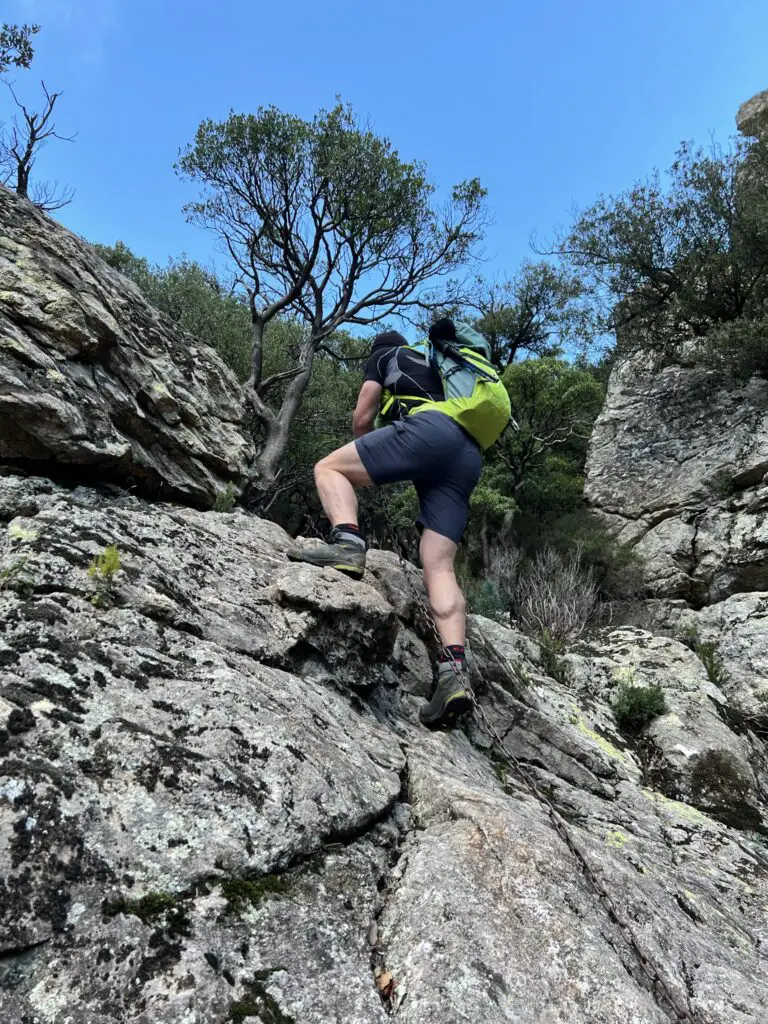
(437, 456)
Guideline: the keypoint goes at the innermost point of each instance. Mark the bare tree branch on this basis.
(20, 144)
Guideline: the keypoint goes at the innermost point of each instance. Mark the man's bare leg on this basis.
(336, 477)
(450, 698)
(438, 555)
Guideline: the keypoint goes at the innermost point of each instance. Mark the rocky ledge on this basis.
(216, 802)
(96, 385)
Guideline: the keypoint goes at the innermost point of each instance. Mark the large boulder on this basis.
(217, 804)
(752, 116)
(676, 468)
(95, 384)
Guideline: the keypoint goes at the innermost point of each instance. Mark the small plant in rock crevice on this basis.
(635, 705)
(550, 651)
(241, 893)
(158, 908)
(707, 653)
(13, 576)
(102, 570)
(225, 500)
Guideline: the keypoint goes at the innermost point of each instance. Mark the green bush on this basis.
(635, 706)
(484, 598)
(707, 653)
(550, 649)
(738, 349)
(225, 500)
(102, 570)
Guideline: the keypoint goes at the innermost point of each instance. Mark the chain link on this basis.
(658, 985)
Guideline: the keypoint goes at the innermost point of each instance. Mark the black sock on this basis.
(350, 532)
(457, 654)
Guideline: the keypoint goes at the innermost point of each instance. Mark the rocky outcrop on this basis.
(676, 468)
(96, 384)
(752, 116)
(216, 802)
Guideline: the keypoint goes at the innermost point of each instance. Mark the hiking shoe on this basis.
(344, 555)
(449, 700)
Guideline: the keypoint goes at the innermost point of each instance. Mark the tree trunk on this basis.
(257, 350)
(486, 545)
(265, 473)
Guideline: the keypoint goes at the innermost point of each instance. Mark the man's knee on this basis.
(325, 465)
(445, 594)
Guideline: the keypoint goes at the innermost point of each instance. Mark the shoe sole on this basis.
(355, 572)
(456, 706)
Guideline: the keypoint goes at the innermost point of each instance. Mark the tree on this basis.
(672, 261)
(20, 145)
(16, 46)
(323, 222)
(555, 405)
(536, 312)
(537, 472)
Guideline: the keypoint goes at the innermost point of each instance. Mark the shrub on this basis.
(102, 570)
(634, 706)
(483, 598)
(225, 499)
(738, 349)
(707, 653)
(557, 595)
(550, 649)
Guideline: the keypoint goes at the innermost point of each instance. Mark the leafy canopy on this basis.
(323, 218)
(682, 258)
(16, 46)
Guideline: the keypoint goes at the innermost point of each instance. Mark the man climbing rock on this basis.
(442, 403)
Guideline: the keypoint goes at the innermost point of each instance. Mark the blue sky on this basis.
(549, 104)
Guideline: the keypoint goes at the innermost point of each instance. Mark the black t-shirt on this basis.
(403, 372)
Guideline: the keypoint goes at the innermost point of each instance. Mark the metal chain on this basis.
(658, 985)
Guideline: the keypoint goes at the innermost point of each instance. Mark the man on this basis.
(442, 460)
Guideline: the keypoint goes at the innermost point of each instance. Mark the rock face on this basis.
(95, 382)
(676, 467)
(216, 802)
(752, 116)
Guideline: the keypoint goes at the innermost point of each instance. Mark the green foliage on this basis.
(550, 650)
(738, 348)
(707, 653)
(536, 312)
(225, 500)
(483, 598)
(193, 298)
(102, 570)
(16, 46)
(355, 211)
(13, 577)
(634, 706)
(555, 404)
(105, 564)
(241, 894)
(162, 907)
(683, 258)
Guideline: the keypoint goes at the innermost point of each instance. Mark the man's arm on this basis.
(367, 406)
